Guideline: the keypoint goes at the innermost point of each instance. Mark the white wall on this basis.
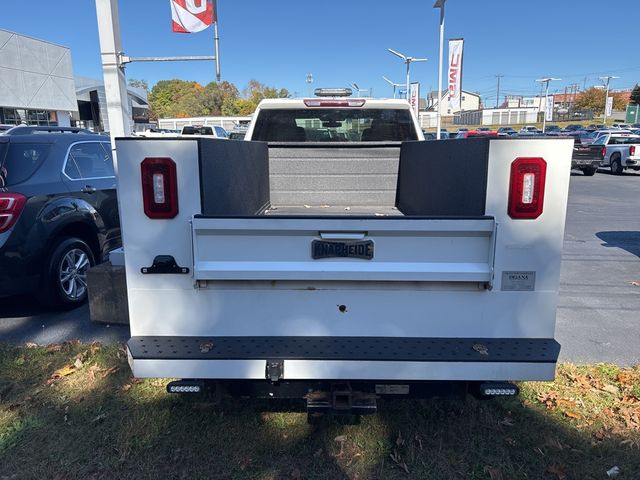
(35, 74)
(177, 123)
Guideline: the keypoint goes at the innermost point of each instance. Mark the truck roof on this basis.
(286, 103)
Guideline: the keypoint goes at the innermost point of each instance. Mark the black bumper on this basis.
(399, 349)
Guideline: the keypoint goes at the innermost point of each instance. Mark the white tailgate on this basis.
(425, 250)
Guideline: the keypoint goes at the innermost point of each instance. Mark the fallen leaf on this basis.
(625, 378)
(109, 371)
(78, 364)
(63, 372)
(53, 347)
(611, 389)
(574, 415)
(340, 439)
(126, 387)
(558, 470)
(95, 347)
(494, 472)
(31, 345)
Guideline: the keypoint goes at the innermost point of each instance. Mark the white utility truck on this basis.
(335, 257)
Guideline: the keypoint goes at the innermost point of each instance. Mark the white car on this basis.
(529, 130)
(622, 151)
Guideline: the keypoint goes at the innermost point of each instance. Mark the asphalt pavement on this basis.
(598, 310)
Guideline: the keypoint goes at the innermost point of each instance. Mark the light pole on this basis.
(407, 61)
(546, 94)
(309, 81)
(358, 89)
(606, 95)
(440, 4)
(393, 84)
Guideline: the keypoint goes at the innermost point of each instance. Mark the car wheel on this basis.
(64, 282)
(589, 171)
(616, 166)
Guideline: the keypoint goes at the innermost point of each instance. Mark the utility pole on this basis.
(498, 90)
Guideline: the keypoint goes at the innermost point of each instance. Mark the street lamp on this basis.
(606, 96)
(407, 61)
(393, 84)
(309, 81)
(440, 4)
(546, 94)
(358, 89)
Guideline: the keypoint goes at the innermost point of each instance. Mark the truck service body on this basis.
(336, 257)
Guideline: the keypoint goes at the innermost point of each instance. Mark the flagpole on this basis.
(216, 40)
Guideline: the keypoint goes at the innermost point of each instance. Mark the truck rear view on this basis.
(337, 258)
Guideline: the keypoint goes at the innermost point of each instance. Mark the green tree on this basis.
(593, 99)
(635, 95)
(214, 95)
(176, 98)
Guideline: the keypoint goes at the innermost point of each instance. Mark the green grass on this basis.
(98, 422)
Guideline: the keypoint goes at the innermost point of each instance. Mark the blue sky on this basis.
(342, 41)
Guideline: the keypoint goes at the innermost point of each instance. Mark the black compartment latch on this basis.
(164, 264)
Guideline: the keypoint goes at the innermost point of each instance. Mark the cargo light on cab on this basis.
(526, 188)
(159, 188)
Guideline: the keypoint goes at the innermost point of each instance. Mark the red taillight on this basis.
(632, 150)
(312, 102)
(159, 188)
(526, 189)
(11, 205)
(604, 152)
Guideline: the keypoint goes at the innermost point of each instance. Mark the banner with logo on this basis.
(455, 73)
(190, 16)
(414, 98)
(609, 109)
(548, 109)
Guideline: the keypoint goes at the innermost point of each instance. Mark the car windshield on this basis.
(19, 161)
(334, 125)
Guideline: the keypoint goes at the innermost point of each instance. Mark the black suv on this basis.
(58, 211)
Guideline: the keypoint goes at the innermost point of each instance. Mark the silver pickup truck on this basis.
(622, 151)
(336, 258)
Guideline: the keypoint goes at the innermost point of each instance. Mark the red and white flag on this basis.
(190, 16)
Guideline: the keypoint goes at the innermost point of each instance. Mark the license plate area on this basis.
(362, 249)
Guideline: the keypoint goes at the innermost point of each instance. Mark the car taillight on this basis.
(11, 205)
(632, 150)
(526, 188)
(604, 152)
(159, 188)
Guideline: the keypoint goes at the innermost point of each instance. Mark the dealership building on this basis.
(37, 87)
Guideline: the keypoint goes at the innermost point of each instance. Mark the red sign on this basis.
(190, 16)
